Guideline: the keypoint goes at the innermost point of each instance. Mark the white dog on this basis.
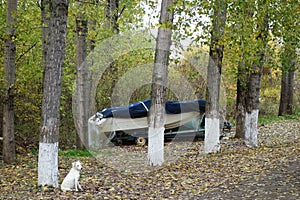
(71, 181)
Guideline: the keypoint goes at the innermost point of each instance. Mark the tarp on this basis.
(141, 108)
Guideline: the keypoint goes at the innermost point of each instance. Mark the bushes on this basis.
(269, 101)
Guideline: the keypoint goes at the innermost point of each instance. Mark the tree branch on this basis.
(23, 54)
(93, 2)
(121, 12)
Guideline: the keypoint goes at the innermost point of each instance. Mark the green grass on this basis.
(74, 153)
(275, 118)
(270, 119)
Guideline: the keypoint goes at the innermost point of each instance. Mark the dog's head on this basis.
(77, 165)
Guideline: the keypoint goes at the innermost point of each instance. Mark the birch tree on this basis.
(52, 80)
(159, 82)
(9, 149)
(214, 69)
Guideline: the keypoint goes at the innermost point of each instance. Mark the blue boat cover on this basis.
(141, 108)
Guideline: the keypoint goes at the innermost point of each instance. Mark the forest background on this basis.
(29, 62)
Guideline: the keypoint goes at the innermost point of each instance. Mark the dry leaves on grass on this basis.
(268, 172)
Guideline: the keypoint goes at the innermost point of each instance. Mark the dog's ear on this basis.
(73, 164)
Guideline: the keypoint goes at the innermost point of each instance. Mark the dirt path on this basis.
(281, 179)
(283, 182)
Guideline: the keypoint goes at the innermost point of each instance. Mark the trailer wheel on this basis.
(140, 141)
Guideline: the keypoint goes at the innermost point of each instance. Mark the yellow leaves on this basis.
(186, 184)
(88, 196)
(168, 184)
(174, 178)
(90, 179)
(189, 177)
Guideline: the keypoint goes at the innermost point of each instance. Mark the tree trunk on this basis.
(1, 116)
(283, 93)
(56, 46)
(291, 83)
(83, 105)
(287, 81)
(250, 72)
(9, 149)
(240, 102)
(45, 28)
(214, 70)
(252, 101)
(82, 93)
(112, 15)
(253, 87)
(159, 82)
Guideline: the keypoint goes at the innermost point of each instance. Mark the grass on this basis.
(68, 153)
(77, 153)
(275, 118)
(74, 153)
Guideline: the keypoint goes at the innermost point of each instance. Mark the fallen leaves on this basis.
(270, 171)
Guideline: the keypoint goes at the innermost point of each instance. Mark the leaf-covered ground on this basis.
(271, 171)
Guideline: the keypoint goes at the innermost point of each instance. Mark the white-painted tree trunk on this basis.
(251, 129)
(156, 146)
(214, 69)
(212, 135)
(54, 50)
(159, 84)
(48, 164)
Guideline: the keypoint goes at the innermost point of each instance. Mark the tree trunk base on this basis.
(156, 146)
(251, 129)
(212, 135)
(48, 164)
